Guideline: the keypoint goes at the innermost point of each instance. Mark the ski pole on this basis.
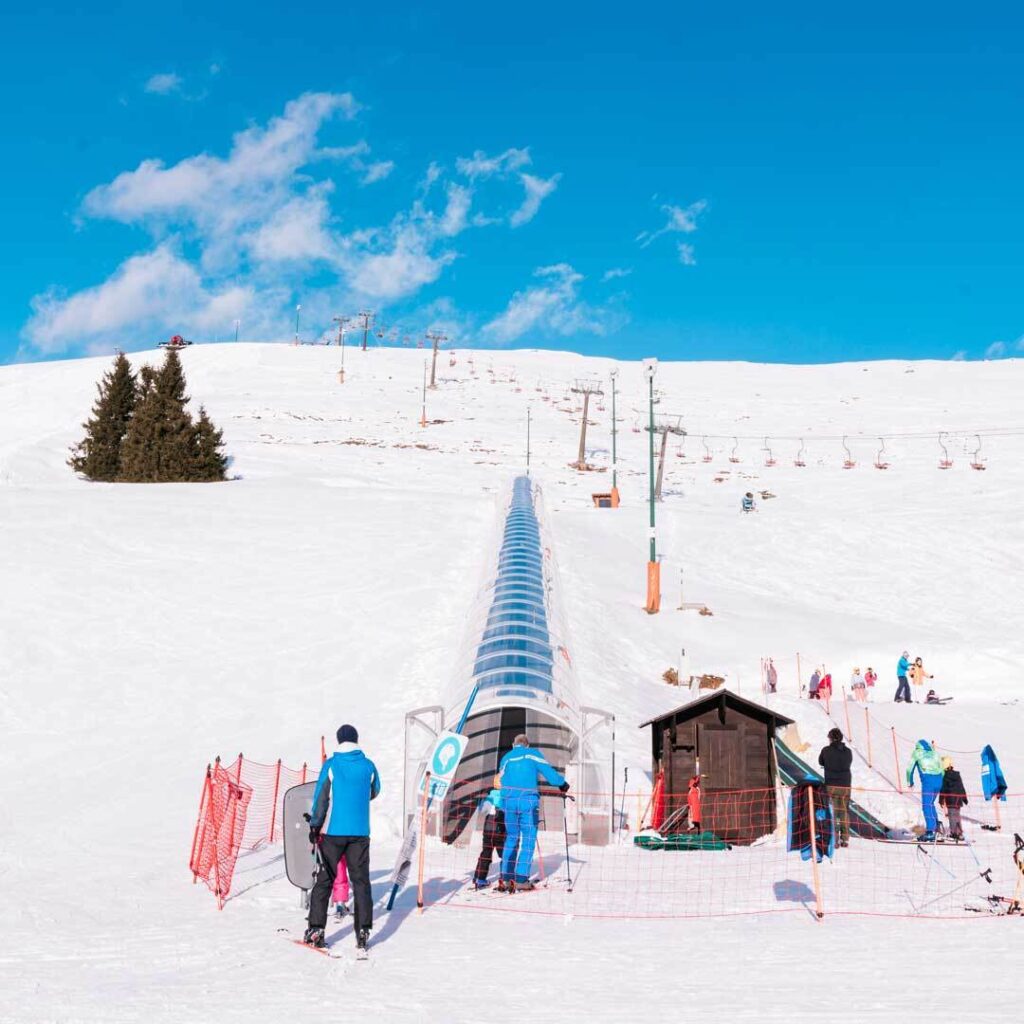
(565, 828)
(622, 806)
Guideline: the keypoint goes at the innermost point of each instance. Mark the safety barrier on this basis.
(691, 874)
(239, 809)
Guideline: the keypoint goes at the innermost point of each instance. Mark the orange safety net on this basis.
(739, 863)
(240, 810)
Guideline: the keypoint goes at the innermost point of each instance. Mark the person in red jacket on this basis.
(693, 802)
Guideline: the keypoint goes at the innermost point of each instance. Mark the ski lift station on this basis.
(518, 660)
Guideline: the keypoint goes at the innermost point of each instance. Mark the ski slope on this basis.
(144, 629)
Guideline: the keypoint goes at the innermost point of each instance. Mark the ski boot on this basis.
(480, 883)
(340, 910)
(503, 886)
(926, 837)
(362, 943)
(525, 886)
(315, 937)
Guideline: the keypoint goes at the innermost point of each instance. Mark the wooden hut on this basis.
(729, 743)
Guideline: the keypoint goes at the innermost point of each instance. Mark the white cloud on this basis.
(552, 306)
(687, 256)
(996, 350)
(296, 231)
(537, 190)
(163, 84)
(959, 356)
(680, 219)
(150, 289)
(453, 220)
(378, 171)
(400, 271)
(615, 272)
(241, 234)
(480, 165)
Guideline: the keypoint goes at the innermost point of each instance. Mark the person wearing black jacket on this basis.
(952, 796)
(836, 760)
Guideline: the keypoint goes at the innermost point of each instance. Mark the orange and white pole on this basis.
(423, 836)
(819, 904)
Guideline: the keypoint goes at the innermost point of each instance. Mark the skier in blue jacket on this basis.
(521, 770)
(339, 824)
(902, 669)
(927, 763)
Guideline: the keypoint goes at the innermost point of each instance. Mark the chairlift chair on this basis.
(880, 462)
(945, 462)
(769, 459)
(733, 456)
(848, 462)
(708, 457)
(977, 462)
(799, 460)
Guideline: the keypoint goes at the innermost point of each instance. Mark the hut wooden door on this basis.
(721, 769)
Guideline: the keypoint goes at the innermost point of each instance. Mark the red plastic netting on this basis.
(240, 809)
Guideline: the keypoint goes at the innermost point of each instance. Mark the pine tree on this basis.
(98, 455)
(209, 460)
(178, 435)
(141, 448)
(163, 444)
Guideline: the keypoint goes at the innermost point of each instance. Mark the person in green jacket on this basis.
(927, 763)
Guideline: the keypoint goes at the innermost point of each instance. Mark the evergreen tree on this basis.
(178, 434)
(98, 455)
(139, 453)
(163, 444)
(209, 460)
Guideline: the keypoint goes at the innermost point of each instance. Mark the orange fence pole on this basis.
(273, 808)
(896, 757)
(799, 677)
(303, 772)
(540, 858)
(867, 723)
(200, 820)
(846, 708)
(820, 910)
(423, 841)
(323, 751)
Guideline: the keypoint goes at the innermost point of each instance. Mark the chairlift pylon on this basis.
(848, 462)
(945, 462)
(880, 462)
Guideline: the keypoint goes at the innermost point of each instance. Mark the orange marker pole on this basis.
(423, 839)
(820, 909)
(896, 757)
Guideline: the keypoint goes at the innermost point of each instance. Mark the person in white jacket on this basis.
(859, 686)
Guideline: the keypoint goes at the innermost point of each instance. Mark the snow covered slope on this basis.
(144, 629)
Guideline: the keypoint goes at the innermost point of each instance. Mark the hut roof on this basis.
(722, 698)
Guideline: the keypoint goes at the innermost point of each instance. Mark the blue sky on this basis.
(786, 182)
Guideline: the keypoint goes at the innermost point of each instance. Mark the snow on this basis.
(144, 629)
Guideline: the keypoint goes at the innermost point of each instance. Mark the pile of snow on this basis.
(147, 628)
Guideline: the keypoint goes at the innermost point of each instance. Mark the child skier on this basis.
(859, 686)
(340, 892)
(952, 797)
(927, 764)
(870, 678)
(494, 836)
(693, 803)
(748, 502)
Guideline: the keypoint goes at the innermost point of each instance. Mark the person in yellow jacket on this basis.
(918, 674)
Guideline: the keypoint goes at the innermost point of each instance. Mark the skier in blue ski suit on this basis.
(521, 770)
(902, 670)
(928, 765)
